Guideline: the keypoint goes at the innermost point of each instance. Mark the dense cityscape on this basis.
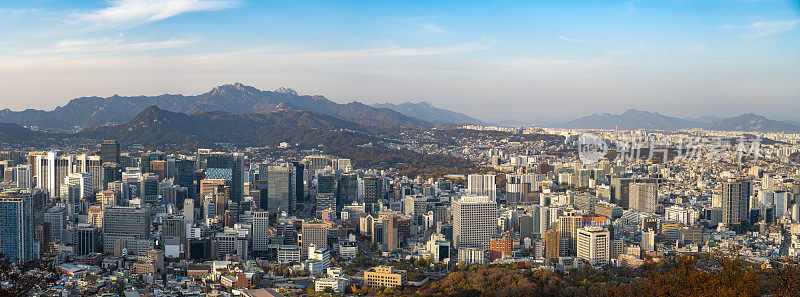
(262, 148)
(122, 220)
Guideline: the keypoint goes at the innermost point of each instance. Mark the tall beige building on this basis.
(568, 225)
(643, 196)
(314, 232)
(594, 245)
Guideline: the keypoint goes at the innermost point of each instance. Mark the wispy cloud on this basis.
(133, 13)
(112, 45)
(764, 28)
(564, 38)
(533, 64)
(433, 28)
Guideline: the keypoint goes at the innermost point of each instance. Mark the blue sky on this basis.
(525, 60)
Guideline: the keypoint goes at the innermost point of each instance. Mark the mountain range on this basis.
(427, 112)
(236, 98)
(155, 127)
(636, 119)
(89, 112)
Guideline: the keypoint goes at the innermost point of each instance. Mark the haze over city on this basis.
(524, 61)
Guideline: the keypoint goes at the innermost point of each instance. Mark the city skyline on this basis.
(680, 58)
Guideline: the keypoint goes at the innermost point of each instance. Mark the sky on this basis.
(497, 60)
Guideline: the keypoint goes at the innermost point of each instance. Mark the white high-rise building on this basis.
(24, 176)
(92, 165)
(51, 169)
(593, 245)
(84, 181)
(782, 202)
(482, 185)
(188, 211)
(260, 230)
(474, 221)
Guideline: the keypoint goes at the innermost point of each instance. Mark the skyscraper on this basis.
(735, 201)
(594, 245)
(643, 196)
(347, 190)
(260, 230)
(278, 190)
(111, 173)
(482, 185)
(56, 216)
(298, 181)
(125, 224)
(149, 188)
(568, 225)
(184, 175)
(229, 167)
(474, 221)
(109, 151)
(51, 169)
(316, 233)
(326, 184)
(373, 191)
(90, 165)
(23, 175)
(17, 240)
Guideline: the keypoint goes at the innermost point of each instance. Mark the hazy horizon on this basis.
(497, 60)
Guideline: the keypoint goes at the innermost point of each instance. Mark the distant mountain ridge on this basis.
(155, 127)
(236, 98)
(636, 119)
(427, 112)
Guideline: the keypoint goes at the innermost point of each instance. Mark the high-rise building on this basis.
(159, 168)
(568, 225)
(373, 190)
(109, 151)
(326, 184)
(188, 211)
(23, 176)
(17, 239)
(90, 165)
(620, 189)
(594, 245)
(643, 196)
(347, 190)
(474, 221)
(184, 175)
(341, 165)
(51, 169)
(125, 225)
(56, 216)
(316, 162)
(298, 181)
(551, 244)
(482, 185)
(260, 230)
(84, 182)
(111, 173)
(279, 190)
(314, 232)
(391, 236)
(229, 167)
(87, 239)
(149, 188)
(735, 201)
